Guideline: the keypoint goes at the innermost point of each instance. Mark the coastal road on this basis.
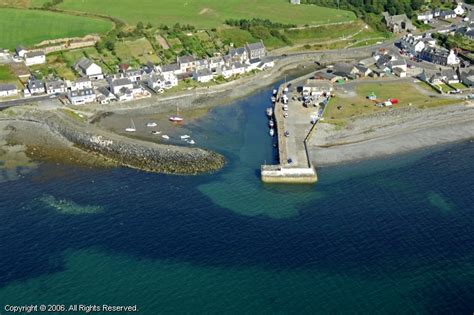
(26, 100)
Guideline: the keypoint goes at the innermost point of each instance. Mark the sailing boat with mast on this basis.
(132, 127)
(177, 118)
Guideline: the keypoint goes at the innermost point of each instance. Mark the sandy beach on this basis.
(392, 132)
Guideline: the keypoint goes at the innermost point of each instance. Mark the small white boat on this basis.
(275, 91)
(269, 112)
(191, 142)
(132, 127)
(273, 98)
(271, 123)
(272, 132)
(151, 124)
(166, 137)
(176, 119)
(156, 132)
(185, 137)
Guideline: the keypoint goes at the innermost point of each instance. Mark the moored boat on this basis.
(271, 123)
(151, 124)
(272, 132)
(132, 127)
(166, 137)
(269, 112)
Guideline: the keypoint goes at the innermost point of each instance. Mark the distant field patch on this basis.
(208, 13)
(28, 27)
(6, 75)
(346, 106)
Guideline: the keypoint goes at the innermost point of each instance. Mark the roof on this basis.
(186, 59)
(55, 84)
(104, 91)
(84, 63)
(7, 87)
(256, 46)
(122, 81)
(343, 68)
(33, 54)
(83, 92)
(34, 84)
(203, 72)
(170, 68)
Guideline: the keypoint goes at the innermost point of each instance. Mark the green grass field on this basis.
(206, 13)
(359, 105)
(5, 74)
(28, 27)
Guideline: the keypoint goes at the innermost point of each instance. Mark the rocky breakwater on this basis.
(130, 152)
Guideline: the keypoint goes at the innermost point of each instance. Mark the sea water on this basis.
(394, 235)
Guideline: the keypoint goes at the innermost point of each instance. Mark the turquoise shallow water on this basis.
(386, 236)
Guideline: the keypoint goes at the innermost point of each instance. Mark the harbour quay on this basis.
(297, 106)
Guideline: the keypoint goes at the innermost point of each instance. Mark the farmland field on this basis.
(28, 27)
(207, 13)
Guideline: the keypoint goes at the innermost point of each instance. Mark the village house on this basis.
(118, 86)
(346, 70)
(34, 58)
(447, 14)
(398, 23)
(431, 77)
(55, 87)
(368, 62)
(238, 55)
(436, 12)
(425, 17)
(201, 64)
(80, 84)
(459, 10)
(317, 88)
(35, 86)
(135, 75)
(88, 68)
(467, 77)
(186, 63)
(450, 76)
(439, 56)
(295, 1)
(8, 90)
(331, 77)
(256, 50)
(203, 75)
(467, 31)
(104, 96)
(20, 51)
(399, 63)
(236, 68)
(215, 63)
(80, 97)
(156, 81)
(363, 71)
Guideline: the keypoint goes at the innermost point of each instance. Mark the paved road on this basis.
(26, 100)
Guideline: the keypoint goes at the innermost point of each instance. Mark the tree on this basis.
(110, 45)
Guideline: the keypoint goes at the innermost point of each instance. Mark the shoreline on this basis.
(393, 132)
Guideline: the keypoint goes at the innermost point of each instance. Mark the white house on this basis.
(21, 51)
(35, 86)
(89, 69)
(34, 58)
(120, 85)
(80, 84)
(447, 14)
(170, 77)
(105, 96)
(186, 63)
(452, 59)
(425, 17)
(156, 81)
(204, 75)
(459, 10)
(8, 90)
(399, 63)
(80, 97)
(54, 87)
